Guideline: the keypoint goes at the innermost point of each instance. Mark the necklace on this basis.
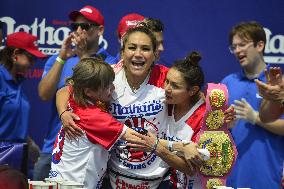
(134, 89)
(132, 86)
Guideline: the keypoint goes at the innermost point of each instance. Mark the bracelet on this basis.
(170, 145)
(155, 145)
(60, 60)
(62, 113)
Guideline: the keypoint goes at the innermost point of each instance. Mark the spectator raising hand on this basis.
(244, 111)
(273, 95)
(273, 89)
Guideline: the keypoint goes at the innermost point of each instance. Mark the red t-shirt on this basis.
(100, 126)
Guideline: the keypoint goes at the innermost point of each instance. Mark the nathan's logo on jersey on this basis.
(50, 37)
(120, 183)
(137, 159)
(173, 138)
(58, 147)
(274, 48)
(140, 125)
(136, 110)
(145, 127)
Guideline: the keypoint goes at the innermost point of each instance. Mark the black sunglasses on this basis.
(84, 26)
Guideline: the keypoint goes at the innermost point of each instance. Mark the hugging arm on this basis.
(186, 163)
(67, 117)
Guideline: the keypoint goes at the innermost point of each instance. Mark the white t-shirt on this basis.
(85, 160)
(141, 109)
(186, 129)
(81, 161)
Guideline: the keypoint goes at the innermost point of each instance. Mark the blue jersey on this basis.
(260, 152)
(14, 108)
(54, 122)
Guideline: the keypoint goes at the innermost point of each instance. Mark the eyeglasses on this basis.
(241, 46)
(83, 26)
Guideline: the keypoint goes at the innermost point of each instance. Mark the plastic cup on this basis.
(56, 181)
(41, 185)
(70, 185)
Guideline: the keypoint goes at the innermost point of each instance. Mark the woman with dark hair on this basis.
(16, 59)
(85, 161)
(138, 102)
(186, 108)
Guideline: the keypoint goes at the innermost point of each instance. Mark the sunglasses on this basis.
(83, 26)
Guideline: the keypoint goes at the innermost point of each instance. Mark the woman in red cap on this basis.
(15, 60)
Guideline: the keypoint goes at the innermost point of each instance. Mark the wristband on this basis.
(60, 60)
(170, 145)
(62, 114)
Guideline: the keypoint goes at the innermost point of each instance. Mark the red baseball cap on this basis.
(26, 41)
(90, 13)
(127, 22)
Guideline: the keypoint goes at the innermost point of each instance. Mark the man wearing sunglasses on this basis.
(89, 21)
(260, 145)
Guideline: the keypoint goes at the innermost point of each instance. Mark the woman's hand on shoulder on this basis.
(72, 131)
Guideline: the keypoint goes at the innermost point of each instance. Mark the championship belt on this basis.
(215, 137)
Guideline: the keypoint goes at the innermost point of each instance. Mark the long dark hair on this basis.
(6, 58)
(191, 71)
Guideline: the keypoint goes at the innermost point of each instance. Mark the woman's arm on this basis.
(62, 96)
(186, 164)
(67, 118)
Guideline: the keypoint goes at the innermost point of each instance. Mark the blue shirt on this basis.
(14, 108)
(260, 152)
(54, 123)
